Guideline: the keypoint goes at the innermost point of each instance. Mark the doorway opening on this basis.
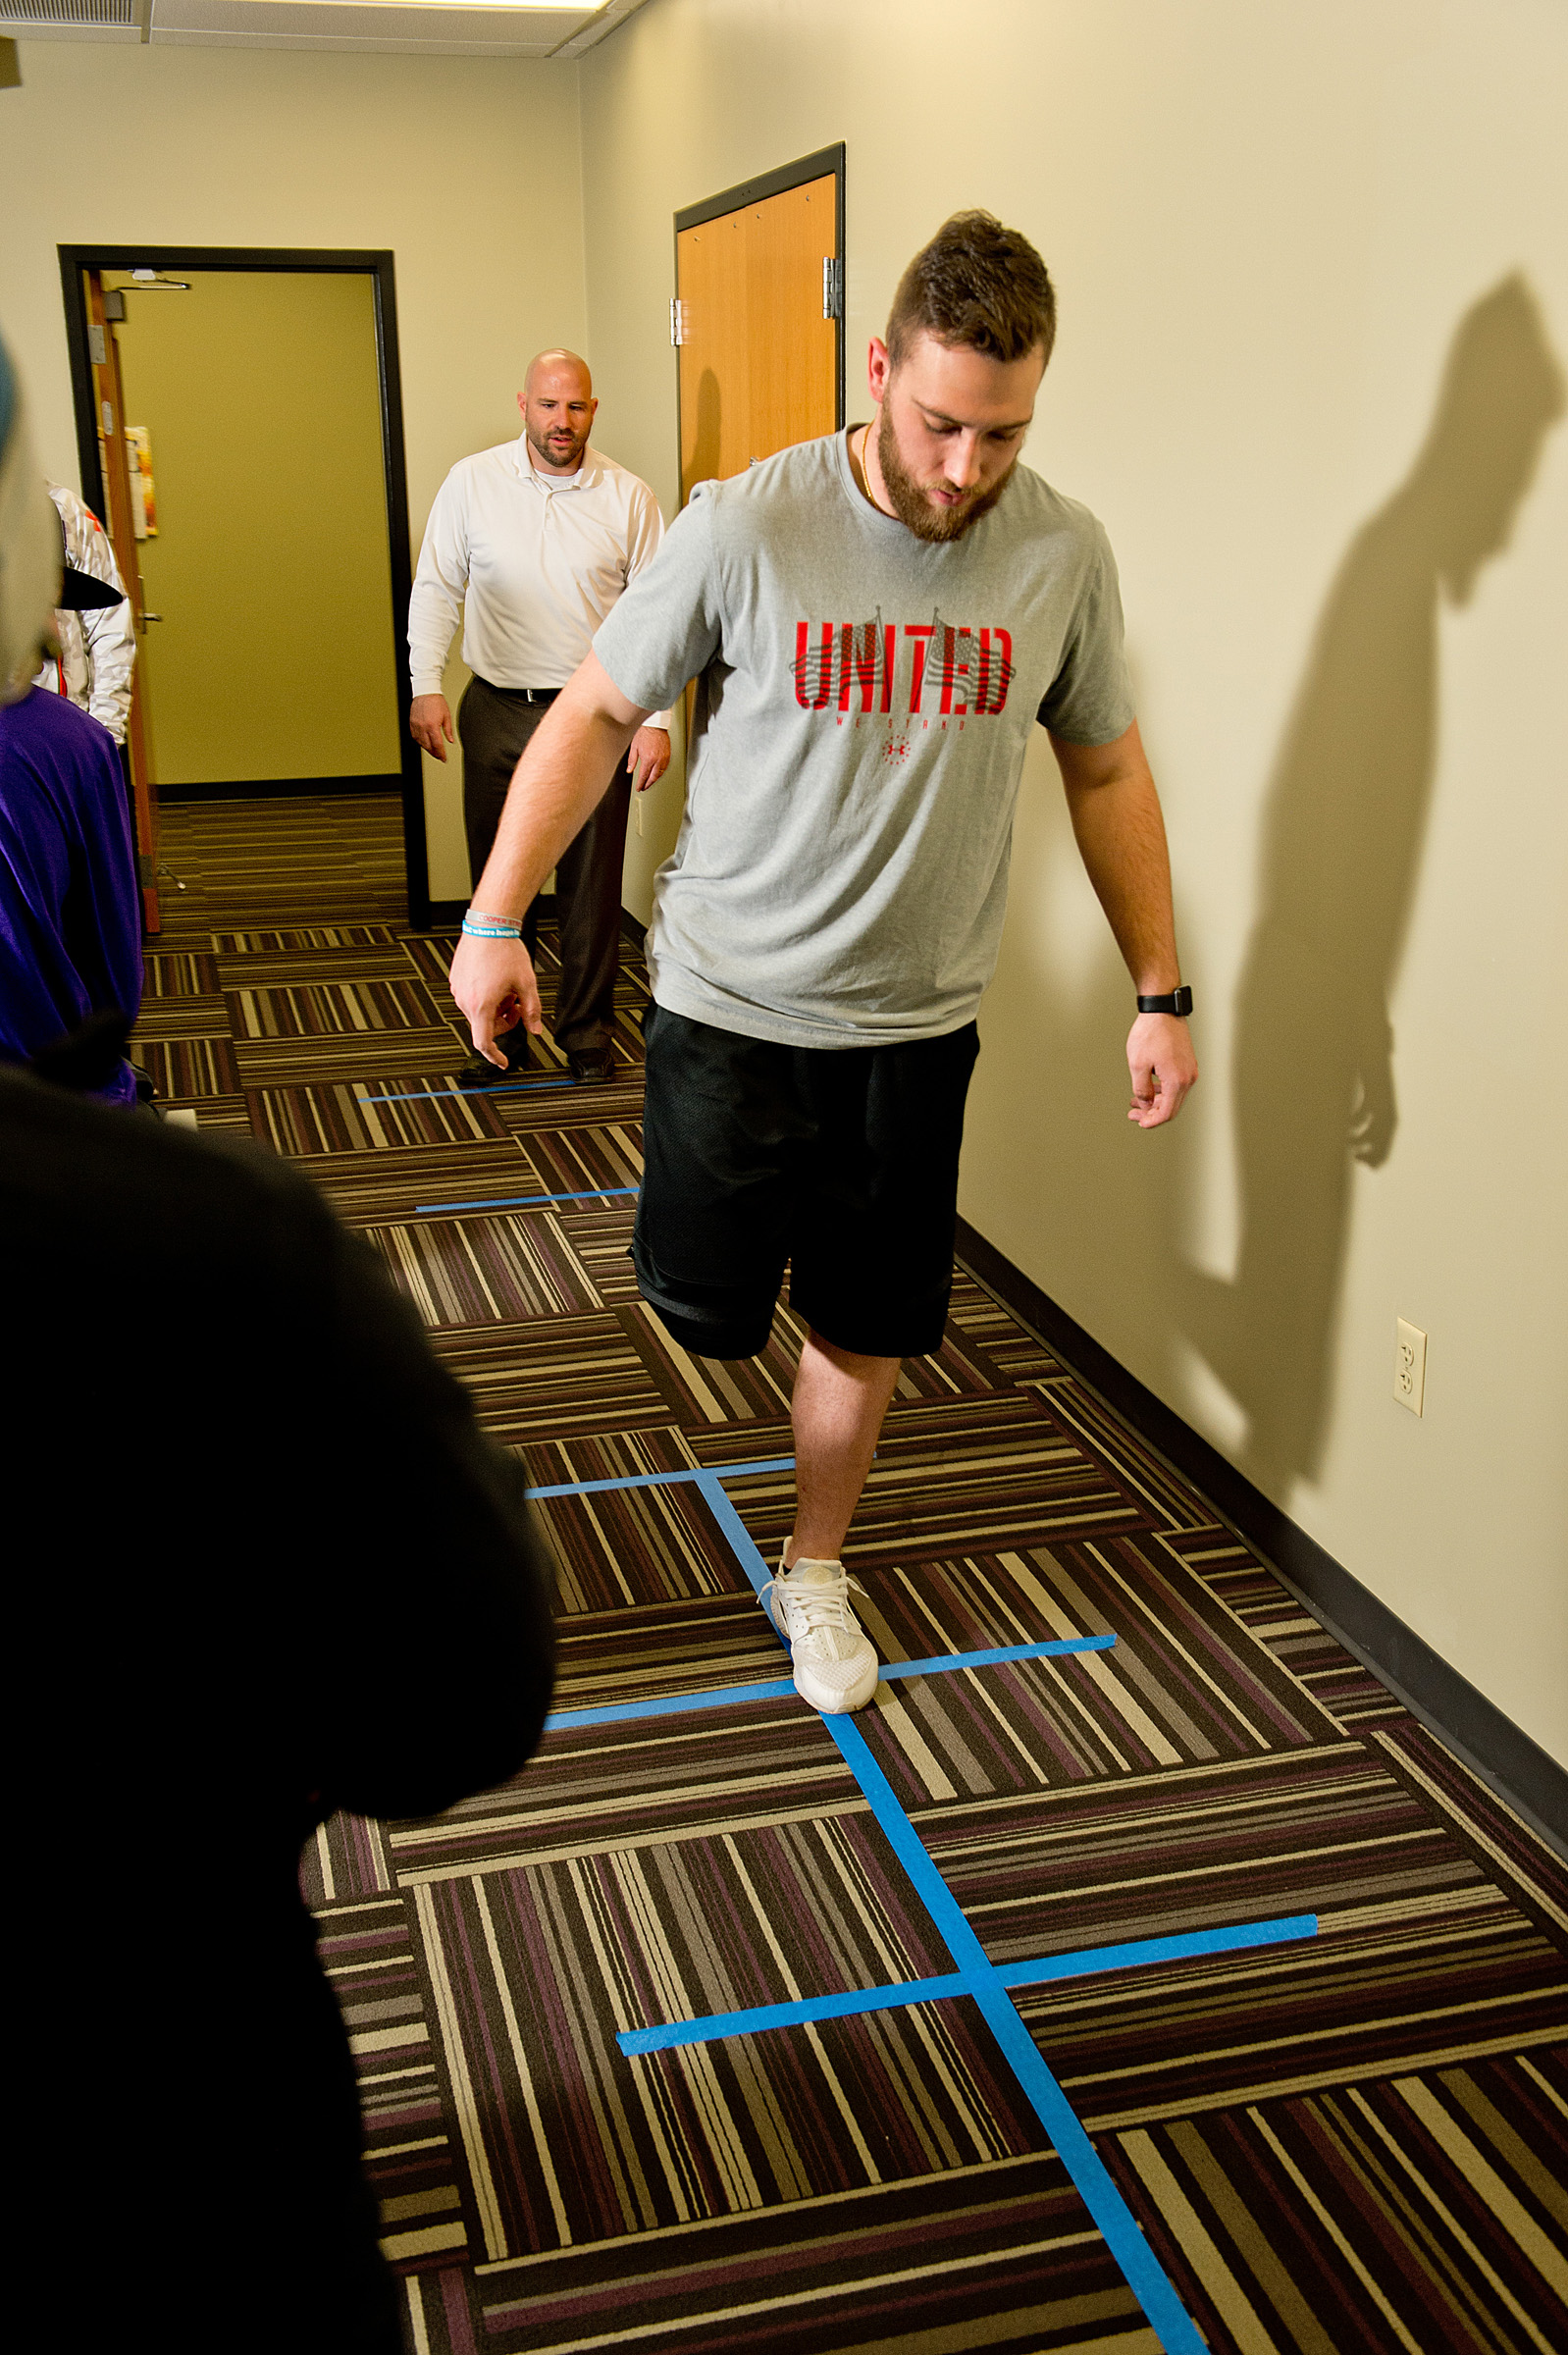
(259, 515)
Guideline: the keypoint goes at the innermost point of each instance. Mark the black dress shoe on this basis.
(590, 1063)
(480, 1072)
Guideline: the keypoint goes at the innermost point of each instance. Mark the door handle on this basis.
(147, 616)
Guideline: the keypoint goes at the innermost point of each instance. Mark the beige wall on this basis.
(466, 168)
(277, 652)
(1275, 230)
(1272, 229)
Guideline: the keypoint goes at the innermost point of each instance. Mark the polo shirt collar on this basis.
(588, 475)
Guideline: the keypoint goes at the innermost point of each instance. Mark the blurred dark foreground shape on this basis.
(263, 1565)
(1314, 1065)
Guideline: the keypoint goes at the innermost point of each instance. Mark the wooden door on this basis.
(109, 402)
(758, 329)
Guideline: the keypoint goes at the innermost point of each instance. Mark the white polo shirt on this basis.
(535, 561)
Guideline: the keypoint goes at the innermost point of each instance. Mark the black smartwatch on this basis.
(1175, 1001)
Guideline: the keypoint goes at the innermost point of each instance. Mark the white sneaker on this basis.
(835, 1666)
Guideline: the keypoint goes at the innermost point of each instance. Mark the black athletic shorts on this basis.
(841, 1160)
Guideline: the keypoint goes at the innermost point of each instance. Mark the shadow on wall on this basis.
(1314, 1070)
(703, 463)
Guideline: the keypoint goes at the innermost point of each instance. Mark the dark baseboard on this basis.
(1517, 1768)
(253, 789)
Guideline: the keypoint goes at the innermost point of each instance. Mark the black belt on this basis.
(520, 694)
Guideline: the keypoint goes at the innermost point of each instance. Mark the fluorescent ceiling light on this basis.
(556, 8)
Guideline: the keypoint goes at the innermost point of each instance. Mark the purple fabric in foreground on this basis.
(70, 907)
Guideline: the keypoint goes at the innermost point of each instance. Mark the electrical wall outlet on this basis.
(1409, 1365)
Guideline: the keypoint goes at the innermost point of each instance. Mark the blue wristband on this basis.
(478, 926)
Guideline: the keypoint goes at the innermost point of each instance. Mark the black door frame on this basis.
(752, 191)
(375, 263)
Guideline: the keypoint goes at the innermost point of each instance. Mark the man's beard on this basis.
(572, 455)
(910, 505)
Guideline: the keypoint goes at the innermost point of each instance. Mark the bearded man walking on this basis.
(876, 620)
(538, 539)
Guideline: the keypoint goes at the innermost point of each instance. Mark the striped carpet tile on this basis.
(600, 1234)
(552, 1100)
(185, 1070)
(637, 1547)
(223, 1112)
(590, 1155)
(995, 2256)
(580, 1374)
(502, 1267)
(307, 939)
(1033, 1725)
(1421, 2211)
(1276, 1836)
(304, 968)
(957, 1475)
(176, 1015)
(1170, 1499)
(1458, 1800)
(536, 1967)
(709, 1773)
(430, 955)
(346, 1861)
(402, 1061)
(179, 974)
(1459, 1977)
(561, 1462)
(411, 1185)
(702, 1643)
(331, 1009)
(349, 1117)
(1247, 1587)
(1017, 1353)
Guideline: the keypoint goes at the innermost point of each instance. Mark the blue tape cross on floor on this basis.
(985, 1983)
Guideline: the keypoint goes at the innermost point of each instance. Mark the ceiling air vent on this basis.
(68, 12)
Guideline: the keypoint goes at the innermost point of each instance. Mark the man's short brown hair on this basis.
(976, 284)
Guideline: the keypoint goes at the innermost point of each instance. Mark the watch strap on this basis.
(1173, 1001)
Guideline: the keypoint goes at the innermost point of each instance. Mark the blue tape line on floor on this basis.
(1140, 2267)
(1130, 1956)
(661, 1479)
(518, 1087)
(583, 1193)
(992, 1659)
(670, 1705)
(725, 1696)
(1141, 1952)
(847, 2006)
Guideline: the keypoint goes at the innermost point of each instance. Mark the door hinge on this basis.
(147, 868)
(680, 322)
(108, 417)
(832, 286)
(97, 346)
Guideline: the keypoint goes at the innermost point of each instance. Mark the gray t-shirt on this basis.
(864, 707)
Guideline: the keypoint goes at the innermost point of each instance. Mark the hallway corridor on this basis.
(1136, 1971)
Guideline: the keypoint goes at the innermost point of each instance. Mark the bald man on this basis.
(535, 541)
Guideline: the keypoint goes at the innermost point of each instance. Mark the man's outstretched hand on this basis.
(493, 983)
(1163, 1065)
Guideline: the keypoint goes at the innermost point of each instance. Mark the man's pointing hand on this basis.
(493, 983)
